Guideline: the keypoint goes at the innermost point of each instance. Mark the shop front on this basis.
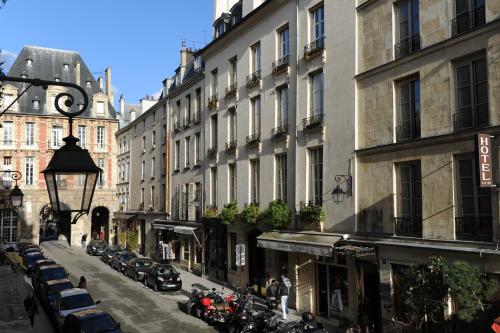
(216, 250)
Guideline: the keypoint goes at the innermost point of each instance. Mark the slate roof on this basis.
(48, 64)
(125, 118)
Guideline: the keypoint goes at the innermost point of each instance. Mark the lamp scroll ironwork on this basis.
(16, 195)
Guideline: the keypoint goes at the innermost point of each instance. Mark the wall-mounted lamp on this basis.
(338, 192)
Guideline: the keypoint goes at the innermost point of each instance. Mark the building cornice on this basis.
(57, 116)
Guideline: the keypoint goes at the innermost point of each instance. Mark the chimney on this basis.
(77, 72)
(99, 83)
(122, 105)
(109, 90)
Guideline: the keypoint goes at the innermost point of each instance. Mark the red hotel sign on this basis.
(485, 165)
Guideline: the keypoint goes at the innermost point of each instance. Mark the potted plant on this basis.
(250, 214)
(312, 215)
(210, 212)
(228, 213)
(277, 214)
(132, 240)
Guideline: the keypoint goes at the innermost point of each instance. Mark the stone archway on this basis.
(53, 224)
(99, 226)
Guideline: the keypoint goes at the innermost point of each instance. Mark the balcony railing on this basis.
(408, 226)
(313, 122)
(253, 79)
(281, 64)
(187, 122)
(213, 102)
(197, 117)
(471, 118)
(407, 46)
(231, 90)
(230, 145)
(408, 130)
(468, 20)
(211, 152)
(253, 139)
(314, 48)
(279, 131)
(474, 228)
(311, 203)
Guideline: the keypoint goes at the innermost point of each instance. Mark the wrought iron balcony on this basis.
(187, 122)
(197, 117)
(231, 145)
(314, 48)
(279, 131)
(213, 102)
(311, 203)
(408, 226)
(313, 122)
(474, 228)
(253, 139)
(468, 20)
(231, 90)
(211, 152)
(471, 118)
(407, 46)
(253, 79)
(408, 130)
(281, 64)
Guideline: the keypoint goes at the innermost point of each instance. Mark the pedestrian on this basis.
(272, 295)
(84, 239)
(283, 292)
(31, 306)
(83, 283)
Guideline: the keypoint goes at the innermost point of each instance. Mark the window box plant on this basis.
(250, 214)
(312, 214)
(277, 215)
(210, 212)
(228, 213)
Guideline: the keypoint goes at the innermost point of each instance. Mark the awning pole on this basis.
(196, 238)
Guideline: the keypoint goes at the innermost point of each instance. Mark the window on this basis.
(88, 84)
(66, 67)
(153, 139)
(152, 199)
(24, 76)
(231, 172)
(36, 104)
(29, 170)
(409, 110)
(177, 114)
(409, 205)
(198, 103)
(469, 14)
(8, 133)
(8, 225)
(188, 109)
(7, 100)
(100, 137)
(409, 25)
(177, 155)
(29, 62)
(213, 82)
(100, 107)
(57, 132)
(153, 162)
(255, 115)
(143, 170)
(281, 177)
(101, 163)
(198, 201)
(57, 79)
(316, 175)
(142, 198)
(29, 137)
(232, 237)
(187, 142)
(213, 186)
(254, 181)
(197, 156)
(232, 125)
(7, 166)
(282, 114)
(185, 248)
(164, 164)
(82, 135)
(256, 64)
(213, 131)
(164, 134)
(317, 94)
(143, 144)
(472, 95)
(284, 42)
(233, 71)
(127, 170)
(318, 20)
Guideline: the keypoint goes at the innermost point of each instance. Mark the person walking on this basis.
(283, 292)
(31, 306)
(83, 283)
(84, 240)
(272, 295)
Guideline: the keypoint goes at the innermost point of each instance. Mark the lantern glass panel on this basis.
(71, 191)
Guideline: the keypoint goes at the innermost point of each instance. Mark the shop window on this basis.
(185, 249)
(339, 288)
(232, 236)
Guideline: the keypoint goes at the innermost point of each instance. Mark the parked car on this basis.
(47, 273)
(71, 300)
(29, 259)
(42, 262)
(96, 247)
(90, 321)
(137, 268)
(163, 277)
(31, 250)
(120, 260)
(109, 252)
(49, 290)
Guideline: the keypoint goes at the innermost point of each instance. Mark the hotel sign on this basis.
(484, 160)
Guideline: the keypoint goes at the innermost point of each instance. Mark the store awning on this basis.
(161, 226)
(186, 231)
(315, 243)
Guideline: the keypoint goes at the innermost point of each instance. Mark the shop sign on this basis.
(484, 160)
(240, 255)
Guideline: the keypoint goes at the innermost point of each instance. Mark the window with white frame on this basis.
(8, 225)
(143, 144)
(281, 177)
(29, 170)
(233, 71)
(213, 186)
(256, 63)
(57, 132)
(213, 82)
(213, 132)
(101, 164)
(232, 125)
(255, 115)
(153, 163)
(284, 42)
(8, 133)
(29, 135)
(36, 104)
(153, 139)
(152, 199)
(100, 137)
(317, 94)
(82, 135)
(7, 166)
(254, 181)
(187, 148)
(177, 155)
(231, 172)
(282, 103)
(318, 22)
(142, 197)
(100, 107)
(187, 117)
(197, 156)
(143, 170)
(7, 101)
(316, 175)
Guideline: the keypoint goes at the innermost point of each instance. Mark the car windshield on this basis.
(143, 263)
(54, 273)
(99, 324)
(164, 270)
(76, 301)
(111, 251)
(33, 258)
(127, 256)
(53, 289)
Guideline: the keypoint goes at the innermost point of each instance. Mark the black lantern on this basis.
(16, 197)
(338, 195)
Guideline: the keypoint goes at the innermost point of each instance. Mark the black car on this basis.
(47, 273)
(48, 291)
(42, 262)
(120, 260)
(90, 321)
(29, 259)
(109, 252)
(137, 268)
(163, 277)
(96, 247)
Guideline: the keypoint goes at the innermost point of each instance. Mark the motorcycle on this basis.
(266, 321)
(302, 326)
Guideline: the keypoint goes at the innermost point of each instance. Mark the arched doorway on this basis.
(99, 227)
(256, 263)
(53, 224)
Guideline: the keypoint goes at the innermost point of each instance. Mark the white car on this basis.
(72, 300)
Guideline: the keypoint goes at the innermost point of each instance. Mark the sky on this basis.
(139, 40)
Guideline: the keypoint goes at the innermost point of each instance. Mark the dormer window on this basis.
(87, 84)
(23, 76)
(57, 79)
(36, 104)
(66, 67)
(221, 27)
(197, 63)
(29, 62)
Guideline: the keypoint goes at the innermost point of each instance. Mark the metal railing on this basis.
(281, 64)
(314, 47)
(311, 203)
(279, 131)
(231, 145)
(254, 79)
(466, 21)
(187, 122)
(474, 228)
(231, 90)
(253, 139)
(313, 122)
(471, 118)
(407, 46)
(408, 226)
(408, 130)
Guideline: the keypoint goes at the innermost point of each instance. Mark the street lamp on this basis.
(16, 195)
(338, 193)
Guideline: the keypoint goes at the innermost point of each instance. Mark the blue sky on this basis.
(140, 40)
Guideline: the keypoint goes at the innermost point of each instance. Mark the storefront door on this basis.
(256, 263)
(322, 289)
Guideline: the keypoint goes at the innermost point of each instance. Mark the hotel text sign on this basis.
(484, 154)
